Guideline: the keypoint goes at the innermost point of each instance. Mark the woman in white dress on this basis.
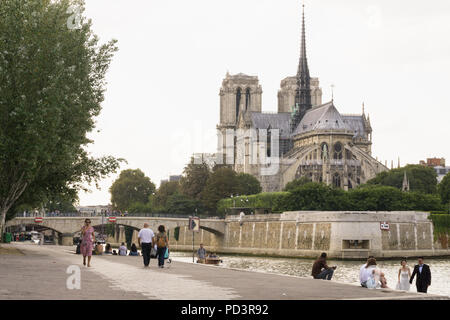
(404, 274)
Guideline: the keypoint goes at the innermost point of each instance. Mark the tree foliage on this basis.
(52, 83)
(165, 190)
(444, 189)
(317, 197)
(247, 184)
(132, 186)
(181, 204)
(421, 178)
(220, 184)
(194, 179)
(296, 183)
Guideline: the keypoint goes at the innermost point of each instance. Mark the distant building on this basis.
(163, 181)
(433, 162)
(175, 178)
(441, 171)
(438, 164)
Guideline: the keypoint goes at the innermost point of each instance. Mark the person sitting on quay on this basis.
(362, 269)
(201, 254)
(98, 249)
(133, 250)
(123, 250)
(108, 249)
(371, 277)
(320, 270)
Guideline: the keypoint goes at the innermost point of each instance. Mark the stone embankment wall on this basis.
(343, 235)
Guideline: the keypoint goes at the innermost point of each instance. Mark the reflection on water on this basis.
(347, 271)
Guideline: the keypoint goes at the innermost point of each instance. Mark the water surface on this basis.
(347, 271)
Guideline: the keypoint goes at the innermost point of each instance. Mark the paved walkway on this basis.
(40, 273)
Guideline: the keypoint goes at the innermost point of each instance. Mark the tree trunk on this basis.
(2, 223)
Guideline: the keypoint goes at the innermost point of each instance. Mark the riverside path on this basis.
(40, 272)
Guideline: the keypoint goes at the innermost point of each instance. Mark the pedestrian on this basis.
(145, 238)
(404, 274)
(123, 249)
(320, 270)
(133, 251)
(87, 241)
(201, 254)
(423, 280)
(162, 243)
(241, 218)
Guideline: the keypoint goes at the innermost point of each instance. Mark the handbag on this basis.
(166, 254)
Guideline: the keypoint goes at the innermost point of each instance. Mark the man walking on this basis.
(201, 254)
(320, 270)
(145, 238)
(423, 280)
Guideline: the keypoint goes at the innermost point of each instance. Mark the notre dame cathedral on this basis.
(305, 138)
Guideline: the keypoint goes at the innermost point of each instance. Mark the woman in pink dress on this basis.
(87, 241)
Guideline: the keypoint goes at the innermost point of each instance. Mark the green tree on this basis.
(132, 186)
(421, 179)
(296, 183)
(165, 190)
(181, 204)
(247, 184)
(194, 179)
(444, 189)
(221, 184)
(313, 196)
(52, 83)
(376, 198)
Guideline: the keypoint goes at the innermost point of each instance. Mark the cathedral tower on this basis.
(303, 92)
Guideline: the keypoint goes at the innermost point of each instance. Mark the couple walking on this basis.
(405, 278)
(146, 238)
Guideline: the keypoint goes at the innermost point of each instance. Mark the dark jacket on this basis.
(318, 265)
(423, 278)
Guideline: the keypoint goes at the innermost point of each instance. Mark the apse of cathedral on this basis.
(305, 138)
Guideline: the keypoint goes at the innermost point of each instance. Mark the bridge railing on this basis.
(107, 214)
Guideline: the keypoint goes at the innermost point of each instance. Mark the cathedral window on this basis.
(247, 98)
(337, 155)
(269, 141)
(337, 180)
(324, 151)
(238, 101)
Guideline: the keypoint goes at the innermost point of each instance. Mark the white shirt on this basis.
(365, 273)
(361, 273)
(146, 235)
(122, 251)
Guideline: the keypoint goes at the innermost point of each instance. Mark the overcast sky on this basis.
(162, 101)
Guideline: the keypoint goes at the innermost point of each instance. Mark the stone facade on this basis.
(305, 138)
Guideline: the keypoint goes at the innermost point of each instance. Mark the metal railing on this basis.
(110, 214)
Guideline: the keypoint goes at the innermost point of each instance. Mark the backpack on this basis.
(161, 240)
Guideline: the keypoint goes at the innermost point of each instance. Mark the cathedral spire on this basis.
(303, 92)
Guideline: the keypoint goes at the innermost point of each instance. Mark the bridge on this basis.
(68, 227)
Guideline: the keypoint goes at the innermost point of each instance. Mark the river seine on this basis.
(347, 271)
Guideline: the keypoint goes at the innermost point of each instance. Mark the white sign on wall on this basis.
(384, 225)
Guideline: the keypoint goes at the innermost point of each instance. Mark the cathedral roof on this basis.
(356, 124)
(274, 120)
(323, 117)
